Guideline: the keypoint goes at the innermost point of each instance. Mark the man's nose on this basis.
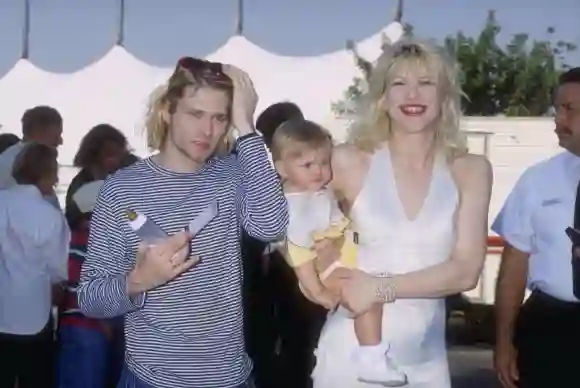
(207, 126)
(560, 117)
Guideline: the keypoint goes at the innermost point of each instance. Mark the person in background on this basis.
(259, 332)
(117, 351)
(7, 140)
(91, 351)
(84, 343)
(100, 153)
(34, 244)
(282, 325)
(537, 342)
(41, 124)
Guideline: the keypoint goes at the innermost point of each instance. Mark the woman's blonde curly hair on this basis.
(372, 124)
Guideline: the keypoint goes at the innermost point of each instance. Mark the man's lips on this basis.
(201, 144)
(563, 131)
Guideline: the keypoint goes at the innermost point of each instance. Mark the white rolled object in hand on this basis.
(204, 218)
(147, 230)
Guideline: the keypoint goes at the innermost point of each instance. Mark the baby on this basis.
(301, 152)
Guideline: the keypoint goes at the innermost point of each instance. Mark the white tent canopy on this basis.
(115, 88)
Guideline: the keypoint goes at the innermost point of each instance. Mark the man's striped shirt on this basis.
(189, 332)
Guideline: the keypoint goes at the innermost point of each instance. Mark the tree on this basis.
(347, 105)
(516, 80)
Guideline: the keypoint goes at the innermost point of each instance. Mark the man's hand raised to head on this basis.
(245, 99)
(160, 263)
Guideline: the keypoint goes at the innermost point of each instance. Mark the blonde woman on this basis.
(420, 204)
(182, 297)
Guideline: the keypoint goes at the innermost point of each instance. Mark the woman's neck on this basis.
(415, 150)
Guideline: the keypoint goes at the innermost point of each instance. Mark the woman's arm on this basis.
(474, 178)
(473, 175)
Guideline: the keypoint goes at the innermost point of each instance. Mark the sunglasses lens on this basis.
(201, 66)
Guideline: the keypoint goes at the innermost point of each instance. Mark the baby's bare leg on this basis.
(372, 364)
(368, 326)
(333, 282)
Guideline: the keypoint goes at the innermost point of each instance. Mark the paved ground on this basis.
(471, 367)
(470, 364)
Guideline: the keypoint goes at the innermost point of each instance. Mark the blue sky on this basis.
(69, 34)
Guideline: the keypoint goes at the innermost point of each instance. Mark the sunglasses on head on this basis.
(200, 66)
(409, 49)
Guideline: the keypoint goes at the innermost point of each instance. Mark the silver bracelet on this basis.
(385, 291)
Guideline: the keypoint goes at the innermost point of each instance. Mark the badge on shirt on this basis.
(551, 202)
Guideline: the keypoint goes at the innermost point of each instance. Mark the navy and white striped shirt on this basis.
(189, 332)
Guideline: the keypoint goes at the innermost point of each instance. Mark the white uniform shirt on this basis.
(534, 218)
(6, 162)
(34, 245)
(7, 159)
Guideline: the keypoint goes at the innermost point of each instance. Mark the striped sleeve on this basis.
(102, 290)
(262, 205)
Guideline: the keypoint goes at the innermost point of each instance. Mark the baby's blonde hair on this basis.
(372, 124)
(189, 72)
(297, 135)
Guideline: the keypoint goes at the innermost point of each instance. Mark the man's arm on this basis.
(56, 248)
(510, 291)
(514, 225)
(263, 210)
(6, 162)
(103, 290)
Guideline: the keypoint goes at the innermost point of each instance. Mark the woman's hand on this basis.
(158, 264)
(327, 252)
(359, 291)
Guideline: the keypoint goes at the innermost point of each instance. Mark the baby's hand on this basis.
(326, 298)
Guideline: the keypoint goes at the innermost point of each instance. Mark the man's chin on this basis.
(199, 157)
(569, 145)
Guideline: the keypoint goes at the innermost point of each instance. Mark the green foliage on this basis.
(516, 80)
(347, 105)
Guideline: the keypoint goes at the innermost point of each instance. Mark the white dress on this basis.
(390, 242)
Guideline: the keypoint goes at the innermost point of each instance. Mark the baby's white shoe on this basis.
(375, 367)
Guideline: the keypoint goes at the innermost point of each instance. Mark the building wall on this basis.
(512, 145)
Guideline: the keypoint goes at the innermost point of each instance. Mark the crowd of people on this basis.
(210, 264)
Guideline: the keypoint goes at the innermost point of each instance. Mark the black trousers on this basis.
(548, 342)
(28, 359)
(282, 327)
